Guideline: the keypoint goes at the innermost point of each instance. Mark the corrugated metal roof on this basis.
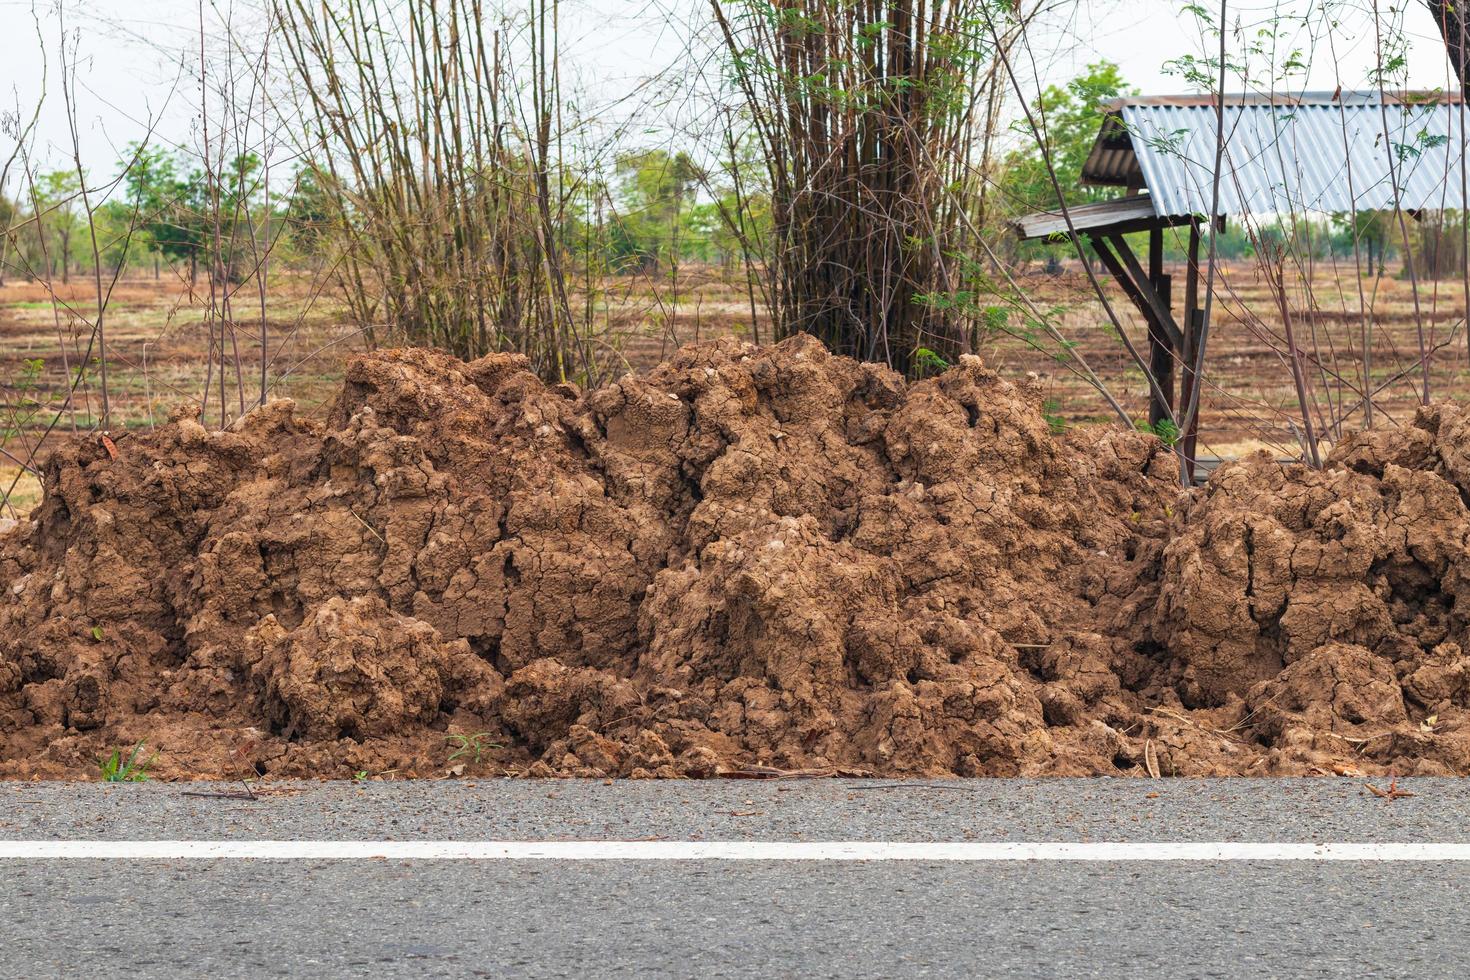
(1322, 152)
(1388, 96)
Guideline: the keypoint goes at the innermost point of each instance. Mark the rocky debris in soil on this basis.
(748, 561)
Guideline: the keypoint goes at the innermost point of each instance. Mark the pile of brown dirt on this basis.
(747, 560)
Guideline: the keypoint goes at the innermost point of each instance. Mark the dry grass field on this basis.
(159, 354)
(1249, 400)
(158, 357)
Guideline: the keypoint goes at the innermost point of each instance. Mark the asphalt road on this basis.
(220, 918)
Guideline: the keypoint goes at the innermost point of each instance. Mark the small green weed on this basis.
(470, 745)
(1051, 411)
(116, 769)
(1167, 431)
(927, 362)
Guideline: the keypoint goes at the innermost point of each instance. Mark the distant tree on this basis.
(116, 237)
(55, 195)
(170, 207)
(737, 223)
(308, 213)
(231, 235)
(1368, 230)
(707, 239)
(8, 215)
(189, 216)
(1073, 114)
(656, 191)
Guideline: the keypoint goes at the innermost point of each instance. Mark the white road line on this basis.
(423, 850)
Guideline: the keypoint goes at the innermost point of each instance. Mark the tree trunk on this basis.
(1452, 27)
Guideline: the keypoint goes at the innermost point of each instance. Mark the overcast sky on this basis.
(130, 54)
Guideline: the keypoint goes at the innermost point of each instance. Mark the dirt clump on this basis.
(356, 669)
(1329, 606)
(749, 560)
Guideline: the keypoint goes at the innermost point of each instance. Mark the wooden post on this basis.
(1191, 325)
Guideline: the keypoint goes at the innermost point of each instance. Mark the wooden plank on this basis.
(1116, 270)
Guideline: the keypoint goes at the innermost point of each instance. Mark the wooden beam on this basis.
(1154, 305)
(1160, 350)
(1116, 270)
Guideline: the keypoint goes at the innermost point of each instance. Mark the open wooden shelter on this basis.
(1321, 153)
